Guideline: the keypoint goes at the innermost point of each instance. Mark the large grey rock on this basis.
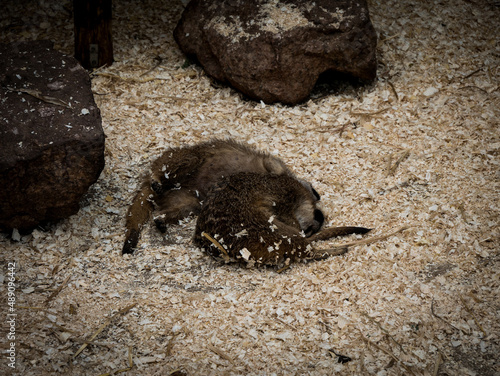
(275, 50)
(52, 142)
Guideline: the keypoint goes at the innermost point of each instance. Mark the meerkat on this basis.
(262, 219)
(181, 177)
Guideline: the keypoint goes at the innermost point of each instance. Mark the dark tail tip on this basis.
(361, 230)
(131, 242)
(348, 230)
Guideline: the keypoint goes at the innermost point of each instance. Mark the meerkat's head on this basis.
(309, 216)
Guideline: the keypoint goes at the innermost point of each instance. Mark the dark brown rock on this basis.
(51, 135)
(276, 50)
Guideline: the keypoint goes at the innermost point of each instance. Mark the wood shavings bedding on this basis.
(424, 302)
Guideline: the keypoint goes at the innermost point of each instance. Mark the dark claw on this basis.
(131, 243)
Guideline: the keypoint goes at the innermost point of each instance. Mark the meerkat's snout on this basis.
(316, 223)
(309, 217)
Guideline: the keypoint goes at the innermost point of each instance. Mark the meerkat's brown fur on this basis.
(260, 219)
(180, 179)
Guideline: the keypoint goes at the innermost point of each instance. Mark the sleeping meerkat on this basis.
(262, 219)
(180, 179)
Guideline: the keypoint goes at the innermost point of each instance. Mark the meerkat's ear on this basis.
(310, 188)
(315, 193)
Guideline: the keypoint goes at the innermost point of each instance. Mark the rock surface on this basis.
(52, 138)
(275, 50)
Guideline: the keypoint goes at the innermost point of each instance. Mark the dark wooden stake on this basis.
(93, 40)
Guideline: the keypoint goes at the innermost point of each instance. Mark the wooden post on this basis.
(93, 40)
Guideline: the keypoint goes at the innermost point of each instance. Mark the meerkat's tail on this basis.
(138, 214)
(332, 232)
(340, 249)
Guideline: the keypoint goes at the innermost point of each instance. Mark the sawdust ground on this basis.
(419, 147)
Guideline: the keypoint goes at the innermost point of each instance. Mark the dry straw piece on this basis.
(103, 326)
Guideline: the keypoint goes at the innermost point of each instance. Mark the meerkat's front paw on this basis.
(156, 187)
(161, 223)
